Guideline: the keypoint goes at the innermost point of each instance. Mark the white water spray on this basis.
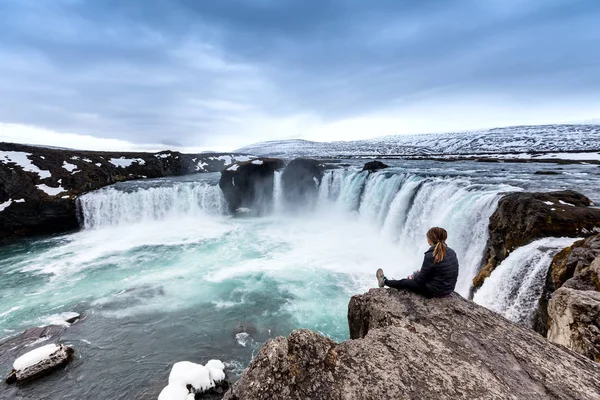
(110, 207)
(515, 286)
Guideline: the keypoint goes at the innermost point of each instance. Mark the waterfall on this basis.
(402, 206)
(515, 286)
(110, 207)
(277, 193)
(405, 206)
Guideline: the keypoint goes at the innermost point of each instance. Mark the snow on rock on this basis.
(565, 203)
(201, 166)
(227, 159)
(234, 167)
(164, 155)
(188, 373)
(174, 392)
(216, 370)
(98, 164)
(188, 378)
(20, 201)
(257, 162)
(549, 203)
(69, 167)
(50, 191)
(35, 356)
(126, 162)
(4, 205)
(87, 160)
(22, 160)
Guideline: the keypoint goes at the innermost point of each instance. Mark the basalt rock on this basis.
(524, 217)
(249, 185)
(407, 347)
(373, 166)
(39, 185)
(300, 181)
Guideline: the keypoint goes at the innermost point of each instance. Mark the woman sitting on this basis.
(439, 273)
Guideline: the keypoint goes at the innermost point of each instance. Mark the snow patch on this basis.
(167, 155)
(126, 162)
(98, 164)
(258, 162)
(87, 160)
(566, 204)
(187, 373)
(5, 205)
(69, 167)
(20, 201)
(549, 203)
(22, 160)
(201, 166)
(35, 356)
(50, 191)
(234, 167)
(174, 392)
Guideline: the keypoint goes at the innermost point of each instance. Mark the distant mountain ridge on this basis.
(515, 139)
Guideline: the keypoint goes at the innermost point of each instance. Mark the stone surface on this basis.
(28, 210)
(250, 184)
(373, 166)
(300, 182)
(57, 360)
(524, 217)
(571, 267)
(407, 347)
(574, 317)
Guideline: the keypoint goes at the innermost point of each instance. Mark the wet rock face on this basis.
(524, 217)
(373, 166)
(39, 186)
(409, 347)
(250, 184)
(300, 182)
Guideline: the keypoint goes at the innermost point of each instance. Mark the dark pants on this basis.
(409, 285)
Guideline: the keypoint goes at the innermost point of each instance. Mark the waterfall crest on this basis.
(402, 206)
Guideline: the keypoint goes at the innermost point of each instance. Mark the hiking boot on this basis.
(380, 277)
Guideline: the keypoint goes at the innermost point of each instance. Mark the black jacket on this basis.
(440, 279)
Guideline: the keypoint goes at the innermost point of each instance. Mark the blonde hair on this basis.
(438, 237)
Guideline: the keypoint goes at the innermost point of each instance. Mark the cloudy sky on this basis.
(220, 74)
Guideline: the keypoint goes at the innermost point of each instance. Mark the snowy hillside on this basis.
(520, 139)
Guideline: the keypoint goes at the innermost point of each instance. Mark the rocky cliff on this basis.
(407, 347)
(524, 217)
(38, 185)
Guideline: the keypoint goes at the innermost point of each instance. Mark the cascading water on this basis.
(405, 206)
(110, 207)
(515, 286)
(277, 193)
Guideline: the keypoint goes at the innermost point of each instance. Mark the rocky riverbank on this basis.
(407, 347)
(39, 185)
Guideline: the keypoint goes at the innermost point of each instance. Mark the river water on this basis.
(162, 274)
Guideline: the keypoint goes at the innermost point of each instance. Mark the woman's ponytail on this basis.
(438, 237)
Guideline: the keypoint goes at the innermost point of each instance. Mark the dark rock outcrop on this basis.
(524, 217)
(547, 173)
(407, 347)
(249, 184)
(373, 166)
(300, 182)
(39, 185)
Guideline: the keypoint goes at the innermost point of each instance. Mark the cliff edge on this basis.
(404, 346)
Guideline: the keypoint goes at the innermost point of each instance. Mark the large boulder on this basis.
(524, 217)
(300, 182)
(574, 318)
(407, 347)
(39, 185)
(249, 184)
